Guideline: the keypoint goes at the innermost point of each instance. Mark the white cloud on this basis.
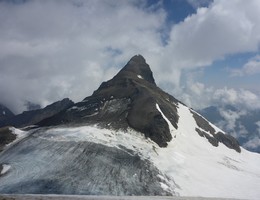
(227, 96)
(226, 27)
(231, 118)
(252, 67)
(198, 95)
(254, 143)
(240, 98)
(53, 49)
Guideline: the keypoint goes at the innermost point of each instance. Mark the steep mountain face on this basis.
(6, 137)
(5, 113)
(34, 116)
(244, 126)
(128, 100)
(129, 138)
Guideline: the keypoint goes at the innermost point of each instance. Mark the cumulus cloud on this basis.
(212, 33)
(252, 67)
(254, 143)
(240, 98)
(230, 118)
(226, 27)
(198, 95)
(53, 49)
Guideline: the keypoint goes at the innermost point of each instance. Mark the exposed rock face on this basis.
(127, 100)
(32, 117)
(244, 123)
(5, 113)
(6, 137)
(215, 137)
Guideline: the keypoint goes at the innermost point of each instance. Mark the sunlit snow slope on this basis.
(201, 169)
(51, 160)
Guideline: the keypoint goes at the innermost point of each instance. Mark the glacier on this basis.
(98, 161)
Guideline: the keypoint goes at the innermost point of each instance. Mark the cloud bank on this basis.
(54, 49)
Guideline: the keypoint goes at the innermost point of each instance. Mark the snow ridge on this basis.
(201, 169)
(171, 127)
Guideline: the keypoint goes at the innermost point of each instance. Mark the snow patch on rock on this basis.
(139, 76)
(171, 127)
(5, 169)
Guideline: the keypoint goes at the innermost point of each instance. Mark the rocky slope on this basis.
(32, 117)
(244, 126)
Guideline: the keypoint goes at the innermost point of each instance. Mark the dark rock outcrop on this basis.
(5, 113)
(214, 138)
(6, 136)
(127, 100)
(244, 123)
(32, 117)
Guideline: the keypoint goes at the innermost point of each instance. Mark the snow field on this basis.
(201, 169)
(190, 161)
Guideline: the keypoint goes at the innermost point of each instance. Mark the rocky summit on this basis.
(127, 100)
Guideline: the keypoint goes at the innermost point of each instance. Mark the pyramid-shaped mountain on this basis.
(129, 99)
(128, 138)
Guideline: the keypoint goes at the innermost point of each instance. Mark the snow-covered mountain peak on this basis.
(132, 99)
(127, 100)
(130, 138)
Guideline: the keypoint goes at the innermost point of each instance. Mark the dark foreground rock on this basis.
(6, 136)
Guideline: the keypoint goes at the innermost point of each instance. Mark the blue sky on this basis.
(221, 68)
(203, 52)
